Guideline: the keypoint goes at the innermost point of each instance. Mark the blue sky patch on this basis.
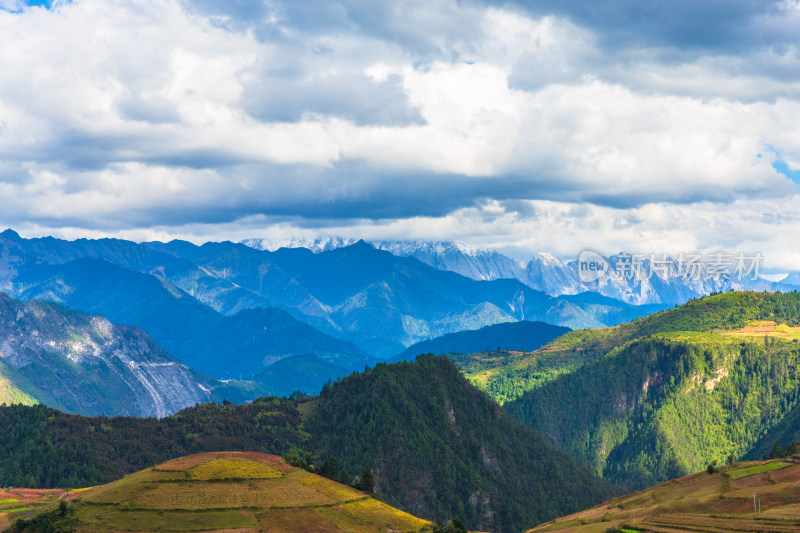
(784, 169)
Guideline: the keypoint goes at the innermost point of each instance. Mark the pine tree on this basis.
(367, 480)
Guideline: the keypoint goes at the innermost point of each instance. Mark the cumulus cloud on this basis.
(459, 117)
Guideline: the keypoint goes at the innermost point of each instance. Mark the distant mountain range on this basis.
(235, 346)
(666, 285)
(275, 321)
(378, 301)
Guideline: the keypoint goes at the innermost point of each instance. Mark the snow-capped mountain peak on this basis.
(662, 283)
(322, 244)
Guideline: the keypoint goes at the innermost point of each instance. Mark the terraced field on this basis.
(751, 496)
(761, 328)
(16, 503)
(226, 491)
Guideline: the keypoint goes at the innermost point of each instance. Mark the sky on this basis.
(625, 125)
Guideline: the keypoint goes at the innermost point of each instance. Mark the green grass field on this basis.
(757, 469)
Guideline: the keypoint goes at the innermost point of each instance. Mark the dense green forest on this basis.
(47, 448)
(438, 447)
(429, 429)
(666, 405)
(507, 375)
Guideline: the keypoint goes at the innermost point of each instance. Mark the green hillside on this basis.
(661, 403)
(12, 388)
(755, 496)
(439, 448)
(506, 375)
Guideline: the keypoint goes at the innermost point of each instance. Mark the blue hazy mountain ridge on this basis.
(382, 302)
(666, 285)
(523, 335)
(19, 252)
(234, 346)
(85, 364)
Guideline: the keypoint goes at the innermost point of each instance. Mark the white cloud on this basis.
(125, 116)
(12, 5)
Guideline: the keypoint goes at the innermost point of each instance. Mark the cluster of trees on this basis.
(453, 526)
(48, 448)
(506, 376)
(330, 469)
(779, 451)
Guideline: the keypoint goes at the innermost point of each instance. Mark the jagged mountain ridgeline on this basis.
(380, 302)
(233, 346)
(550, 274)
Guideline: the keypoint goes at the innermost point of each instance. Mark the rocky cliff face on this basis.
(91, 366)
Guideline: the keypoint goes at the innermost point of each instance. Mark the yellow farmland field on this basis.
(226, 492)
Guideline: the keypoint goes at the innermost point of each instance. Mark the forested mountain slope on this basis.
(672, 392)
(439, 448)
